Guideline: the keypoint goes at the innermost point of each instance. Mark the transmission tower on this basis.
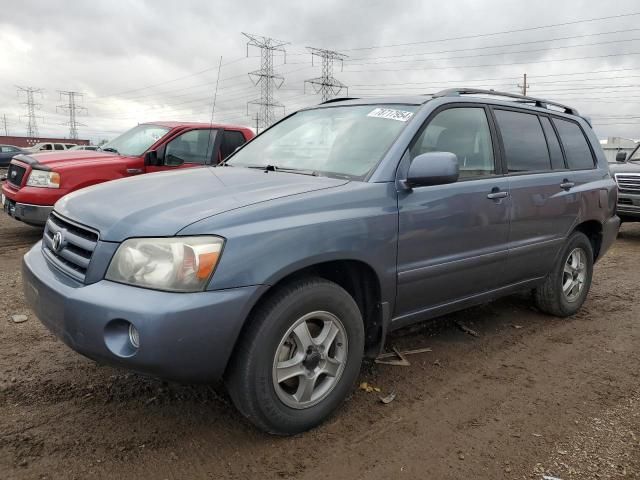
(266, 77)
(72, 108)
(327, 85)
(32, 106)
(4, 121)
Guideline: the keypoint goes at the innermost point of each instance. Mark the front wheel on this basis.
(566, 287)
(299, 357)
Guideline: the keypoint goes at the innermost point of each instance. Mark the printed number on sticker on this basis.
(391, 114)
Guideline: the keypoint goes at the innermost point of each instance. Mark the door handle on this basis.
(567, 185)
(496, 195)
(134, 171)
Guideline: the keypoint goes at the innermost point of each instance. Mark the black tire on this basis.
(550, 297)
(249, 378)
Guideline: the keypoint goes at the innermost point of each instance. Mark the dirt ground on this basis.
(530, 396)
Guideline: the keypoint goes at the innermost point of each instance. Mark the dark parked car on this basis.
(7, 152)
(626, 172)
(278, 270)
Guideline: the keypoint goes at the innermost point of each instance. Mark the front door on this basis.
(452, 238)
(193, 148)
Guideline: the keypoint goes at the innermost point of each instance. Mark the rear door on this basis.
(544, 207)
(191, 148)
(453, 238)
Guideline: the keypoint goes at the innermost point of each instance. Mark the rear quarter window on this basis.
(576, 146)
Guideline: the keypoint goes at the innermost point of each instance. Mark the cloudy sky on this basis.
(138, 61)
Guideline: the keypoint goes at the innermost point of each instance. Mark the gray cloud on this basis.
(137, 60)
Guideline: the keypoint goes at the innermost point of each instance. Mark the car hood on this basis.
(58, 161)
(627, 167)
(161, 204)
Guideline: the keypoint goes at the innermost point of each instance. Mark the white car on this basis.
(85, 147)
(50, 146)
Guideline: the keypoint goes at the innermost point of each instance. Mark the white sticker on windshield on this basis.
(391, 114)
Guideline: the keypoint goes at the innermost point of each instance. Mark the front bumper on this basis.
(32, 214)
(182, 336)
(628, 205)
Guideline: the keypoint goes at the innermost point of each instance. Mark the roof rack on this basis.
(538, 102)
(338, 99)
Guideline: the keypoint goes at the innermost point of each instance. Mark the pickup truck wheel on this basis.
(566, 287)
(299, 357)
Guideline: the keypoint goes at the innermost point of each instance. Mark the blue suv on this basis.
(280, 269)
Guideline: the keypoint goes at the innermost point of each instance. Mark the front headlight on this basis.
(178, 264)
(42, 178)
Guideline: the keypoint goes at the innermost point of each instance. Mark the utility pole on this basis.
(266, 77)
(257, 119)
(524, 85)
(4, 121)
(72, 108)
(327, 85)
(32, 106)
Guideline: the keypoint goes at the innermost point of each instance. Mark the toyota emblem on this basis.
(57, 241)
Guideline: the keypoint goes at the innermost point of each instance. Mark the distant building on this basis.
(30, 141)
(613, 145)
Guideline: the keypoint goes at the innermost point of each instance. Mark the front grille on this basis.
(75, 248)
(15, 174)
(628, 183)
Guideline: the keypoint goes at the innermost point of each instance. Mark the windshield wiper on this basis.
(274, 168)
(109, 149)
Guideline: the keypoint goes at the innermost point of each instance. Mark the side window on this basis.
(463, 131)
(58, 146)
(575, 144)
(557, 161)
(194, 146)
(230, 141)
(69, 145)
(46, 146)
(524, 144)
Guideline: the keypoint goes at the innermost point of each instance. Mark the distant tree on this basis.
(102, 142)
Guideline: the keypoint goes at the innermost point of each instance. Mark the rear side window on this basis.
(463, 131)
(525, 146)
(58, 146)
(557, 161)
(576, 147)
(230, 141)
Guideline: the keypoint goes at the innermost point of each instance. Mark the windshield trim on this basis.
(340, 175)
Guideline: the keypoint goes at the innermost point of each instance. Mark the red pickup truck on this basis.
(35, 182)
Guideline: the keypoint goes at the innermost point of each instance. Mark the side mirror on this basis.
(621, 157)
(433, 168)
(151, 158)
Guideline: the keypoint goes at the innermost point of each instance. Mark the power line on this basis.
(32, 106)
(500, 64)
(266, 77)
(491, 34)
(72, 108)
(517, 44)
(326, 85)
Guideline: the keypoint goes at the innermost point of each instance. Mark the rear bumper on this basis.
(182, 336)
(609, 233)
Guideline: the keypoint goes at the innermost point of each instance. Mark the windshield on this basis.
(635, 156)
(136, 141)
(347, 141)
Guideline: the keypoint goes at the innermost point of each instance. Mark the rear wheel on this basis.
(299, 357)
(566, 287)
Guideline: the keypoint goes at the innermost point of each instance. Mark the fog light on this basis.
(134, 336)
